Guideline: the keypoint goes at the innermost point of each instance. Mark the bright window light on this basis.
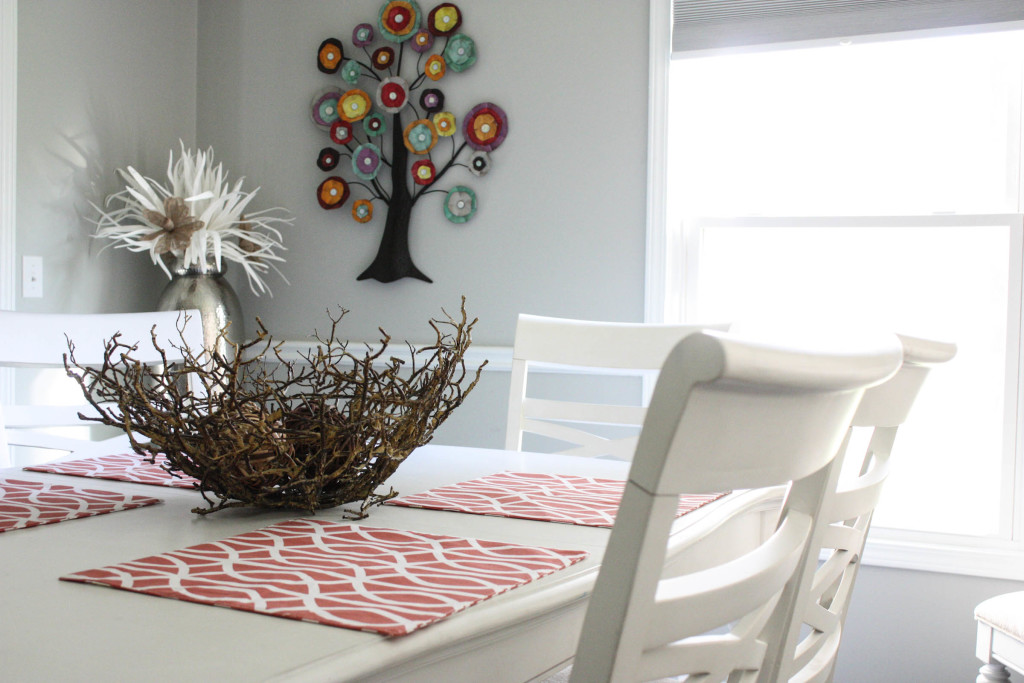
(908, 128)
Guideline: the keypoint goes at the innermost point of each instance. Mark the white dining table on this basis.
(52, 630)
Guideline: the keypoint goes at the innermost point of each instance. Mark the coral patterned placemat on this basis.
(130, 467)
(30, 503)
(546, 497)
(381, 580)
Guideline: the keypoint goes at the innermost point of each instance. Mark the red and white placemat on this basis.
(120, 467)
(381, 580)
(563, 498)
(30, 503)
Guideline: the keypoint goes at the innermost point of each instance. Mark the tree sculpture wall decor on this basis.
(392, 139)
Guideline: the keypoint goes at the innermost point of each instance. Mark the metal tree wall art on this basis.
(388, 130)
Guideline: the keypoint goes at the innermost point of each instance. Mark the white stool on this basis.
(1000, 636)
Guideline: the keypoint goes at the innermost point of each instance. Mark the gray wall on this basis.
(101, 85)
(560, 227)
(560, 230)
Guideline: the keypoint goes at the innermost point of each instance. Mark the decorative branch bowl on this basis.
(258, 429)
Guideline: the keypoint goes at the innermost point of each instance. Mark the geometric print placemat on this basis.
(380, 580)
(563, 498)
(25, 504)
(130, 467)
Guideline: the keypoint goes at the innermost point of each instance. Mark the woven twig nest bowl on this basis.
(262, 430)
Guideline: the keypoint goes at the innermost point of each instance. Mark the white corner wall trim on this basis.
(8, 168)
(8, 142)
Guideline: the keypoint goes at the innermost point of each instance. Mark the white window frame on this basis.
(1001, 557)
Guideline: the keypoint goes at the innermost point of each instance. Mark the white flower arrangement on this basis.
(194, 218)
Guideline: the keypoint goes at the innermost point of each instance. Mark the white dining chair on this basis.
(727, 413)
(40, 341)
(576, 349)
(825, 584)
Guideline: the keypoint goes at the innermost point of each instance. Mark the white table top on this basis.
(54, 630)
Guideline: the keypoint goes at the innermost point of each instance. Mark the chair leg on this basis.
(993, 672)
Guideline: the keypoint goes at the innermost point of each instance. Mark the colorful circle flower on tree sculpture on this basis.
(485, 127)
(435, 67)
(327, 159)
(460, 204)
(332, 192)
(329, 55)
(366, 161)
(354, 105)
(423, 172)
(444, 19)
(444, 122)
(374, 125)
(460, 52)
(480, 163)
(362, 35)
(385, 118)
(399, 20)
(362, 211)
(422, 41)
(432, 100)
(324, 108)
(420, 136)
(383, 57)
(392, 94)
(341, 132)
(351, 71)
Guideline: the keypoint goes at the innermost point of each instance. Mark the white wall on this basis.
(100, 85)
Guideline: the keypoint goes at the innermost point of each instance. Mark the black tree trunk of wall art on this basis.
(394, 260)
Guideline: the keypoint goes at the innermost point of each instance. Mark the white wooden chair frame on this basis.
(824, 588)
(726, 414)
(40, 340)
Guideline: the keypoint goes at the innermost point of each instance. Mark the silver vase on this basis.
(214, 297)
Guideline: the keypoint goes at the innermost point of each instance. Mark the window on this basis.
(876, 180)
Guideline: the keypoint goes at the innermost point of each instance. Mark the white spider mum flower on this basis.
(197, 217)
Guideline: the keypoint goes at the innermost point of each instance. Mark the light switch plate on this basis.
(32, 277)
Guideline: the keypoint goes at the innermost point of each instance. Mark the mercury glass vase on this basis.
(215, 299)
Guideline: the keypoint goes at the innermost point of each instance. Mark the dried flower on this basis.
(194, 218)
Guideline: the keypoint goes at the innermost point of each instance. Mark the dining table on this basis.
(67, 630)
